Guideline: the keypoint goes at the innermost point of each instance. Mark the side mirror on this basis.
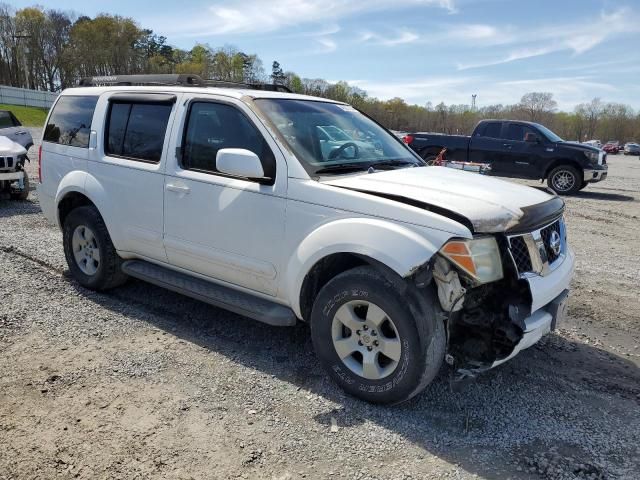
(531, 138)
(239, 162)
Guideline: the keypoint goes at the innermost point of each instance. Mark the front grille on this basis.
(520, 254)
(6, 162)
(546, 233)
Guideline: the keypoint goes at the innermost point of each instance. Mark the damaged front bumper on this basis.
(539, 324)
(491, 323)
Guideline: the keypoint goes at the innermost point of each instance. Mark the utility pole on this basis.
(25, 51)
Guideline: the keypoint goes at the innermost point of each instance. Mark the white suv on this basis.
(231, 196)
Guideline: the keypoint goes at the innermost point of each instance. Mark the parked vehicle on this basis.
(594, 143)
(15, 141)
(632, 149)
(11, 128)
(225, 195)
(14, 181)
(611, 147)
(520, 150)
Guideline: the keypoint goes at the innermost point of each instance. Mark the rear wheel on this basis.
(368, 340)
(89, 252)
(565, 180)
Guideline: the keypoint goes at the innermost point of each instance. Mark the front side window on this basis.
(331, 138)
(214, 126)
(70, 122)
(137, 130)
(518, 132)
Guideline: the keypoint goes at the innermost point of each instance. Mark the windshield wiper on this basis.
(344, 167)
(393, 163)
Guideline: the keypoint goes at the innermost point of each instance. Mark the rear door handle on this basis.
(178, 188)
(507, 145)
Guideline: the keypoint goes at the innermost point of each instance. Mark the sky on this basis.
(418, 50)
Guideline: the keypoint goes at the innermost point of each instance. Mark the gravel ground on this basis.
(144, 383)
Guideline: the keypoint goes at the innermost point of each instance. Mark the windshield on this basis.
(330, 137)
(549, 134)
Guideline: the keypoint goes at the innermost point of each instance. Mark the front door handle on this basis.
(507, 145)
(21, 133)
(178, 188)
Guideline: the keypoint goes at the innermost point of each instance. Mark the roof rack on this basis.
(185, 80)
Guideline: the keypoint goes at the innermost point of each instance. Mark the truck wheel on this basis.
(584, 184)
(91, 256)
(24, 194)
(565, 180)
(368, 340)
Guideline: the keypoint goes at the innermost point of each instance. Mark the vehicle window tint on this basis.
(518, 132)
(6, 120)
(137, 130)
(213, 126)
(70, 121)
(492, 130)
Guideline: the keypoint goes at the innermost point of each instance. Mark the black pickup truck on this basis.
(520, 150)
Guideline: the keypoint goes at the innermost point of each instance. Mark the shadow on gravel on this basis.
(11, 208)
(614, 197)
(558, 394)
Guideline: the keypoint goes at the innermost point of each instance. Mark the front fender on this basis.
(391, 244)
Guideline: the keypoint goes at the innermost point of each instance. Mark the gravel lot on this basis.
(144, 383)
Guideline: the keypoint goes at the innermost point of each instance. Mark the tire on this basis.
(364, 296)
(85, 227)
(24, 194)
(584, 185)
(565, 180)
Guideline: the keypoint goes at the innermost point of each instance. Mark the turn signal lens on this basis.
(479, 258)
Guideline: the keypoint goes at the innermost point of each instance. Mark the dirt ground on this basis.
(143, 383)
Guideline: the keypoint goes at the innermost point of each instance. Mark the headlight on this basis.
(479, 258)
(592, 156)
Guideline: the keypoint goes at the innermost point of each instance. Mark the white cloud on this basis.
(327, 45)
(578, 38)
(260, 16)
(568, 91)
(399, 37)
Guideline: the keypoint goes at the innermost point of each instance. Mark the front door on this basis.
(226, 228)
(520, 159)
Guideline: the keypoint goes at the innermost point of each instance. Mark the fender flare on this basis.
(86, 184)
(393, 245)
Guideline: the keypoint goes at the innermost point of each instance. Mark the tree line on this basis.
(48, 49)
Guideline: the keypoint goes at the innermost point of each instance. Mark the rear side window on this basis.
(213, 126)
(137, 130)
(70, 121)
(492, 130)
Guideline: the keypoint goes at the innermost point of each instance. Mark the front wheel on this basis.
(565, 180)
(24, 193)
(368, 340)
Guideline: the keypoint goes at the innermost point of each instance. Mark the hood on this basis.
(580, 146)
(9, 148)
(489, 204)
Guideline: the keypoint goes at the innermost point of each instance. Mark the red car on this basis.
(611, 147)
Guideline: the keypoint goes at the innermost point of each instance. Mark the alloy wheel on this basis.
(366, 340)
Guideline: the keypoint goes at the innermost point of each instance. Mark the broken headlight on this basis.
(478, 258)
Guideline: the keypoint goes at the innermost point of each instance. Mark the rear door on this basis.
(486, 143)
(128, 166)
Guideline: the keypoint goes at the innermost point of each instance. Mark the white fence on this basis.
(26, 97)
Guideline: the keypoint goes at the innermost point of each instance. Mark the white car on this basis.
(594, 143)
(224, 194)
(14, 181)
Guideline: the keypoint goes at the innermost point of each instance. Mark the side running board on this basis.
(224, 297)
